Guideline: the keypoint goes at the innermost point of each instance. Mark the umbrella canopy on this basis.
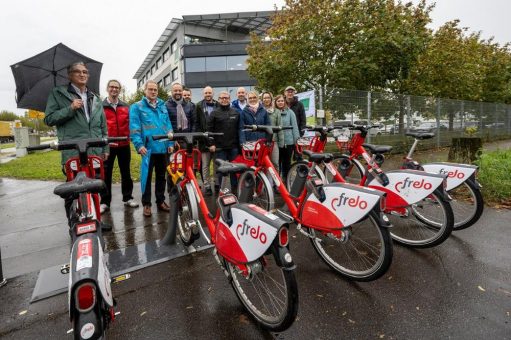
(35, 77)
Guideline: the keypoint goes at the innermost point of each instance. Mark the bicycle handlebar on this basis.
(187, 135)
(267, 128)
(79, 144)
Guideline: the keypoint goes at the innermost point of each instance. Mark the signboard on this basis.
(35, 114)
(308, 101)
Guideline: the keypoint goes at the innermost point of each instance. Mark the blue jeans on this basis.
(228, 155)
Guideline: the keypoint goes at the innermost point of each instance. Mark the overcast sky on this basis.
(121, 33)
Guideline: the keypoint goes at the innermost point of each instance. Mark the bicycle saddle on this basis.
(318, 157)
(420, 135)
(81, 183)
(377, 148)
(225, 168)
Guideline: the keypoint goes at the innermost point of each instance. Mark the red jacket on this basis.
(117, 121)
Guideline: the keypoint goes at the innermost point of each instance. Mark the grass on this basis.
(6, 145)
(46, 166)
(494, 177)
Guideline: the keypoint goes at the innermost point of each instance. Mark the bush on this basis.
(494, 176)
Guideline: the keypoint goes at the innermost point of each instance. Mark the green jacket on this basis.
(73, 124)
(276, 120)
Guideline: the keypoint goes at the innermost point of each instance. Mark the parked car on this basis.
(429, 127)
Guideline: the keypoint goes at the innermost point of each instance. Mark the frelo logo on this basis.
(453, 174)
(352, 202)
(408, 183)
(255, 233)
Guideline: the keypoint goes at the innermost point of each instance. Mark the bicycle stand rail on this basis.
(51, 281)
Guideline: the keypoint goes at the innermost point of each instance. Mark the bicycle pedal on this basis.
(64, 269)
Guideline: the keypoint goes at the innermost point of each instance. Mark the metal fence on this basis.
(397, 114)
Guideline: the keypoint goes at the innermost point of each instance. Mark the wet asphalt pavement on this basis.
(458, 290)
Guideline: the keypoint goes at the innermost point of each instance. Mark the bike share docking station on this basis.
(51, 281)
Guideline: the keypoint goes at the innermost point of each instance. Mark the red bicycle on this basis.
(90, 300)
(417, 204)
(344, 222)
(251, 244)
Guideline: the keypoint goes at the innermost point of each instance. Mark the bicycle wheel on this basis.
(351, 171)
(467, 204)
(424, 224)
(188, 216)
(293, 171)
(256, 189)
(366, 253)
(268, 292)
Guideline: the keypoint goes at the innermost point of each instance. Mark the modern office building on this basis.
(200, 50)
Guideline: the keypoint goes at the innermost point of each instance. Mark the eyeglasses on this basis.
(252, 97)
(223, 98)
(114, 87)
(80, 72)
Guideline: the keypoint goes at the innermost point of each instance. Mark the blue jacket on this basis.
(288, 119)
(146, 121)
(248, 118)
(236, 105)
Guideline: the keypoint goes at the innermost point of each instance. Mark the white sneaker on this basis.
(103, 208)
(131, 203)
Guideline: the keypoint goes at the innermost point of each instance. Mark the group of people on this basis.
(78, 113)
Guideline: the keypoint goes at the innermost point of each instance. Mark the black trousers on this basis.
(158, 162)
(123, 155)
(285, 155)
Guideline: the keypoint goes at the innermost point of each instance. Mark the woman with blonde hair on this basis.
(253, 114)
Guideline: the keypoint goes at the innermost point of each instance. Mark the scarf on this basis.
(182, 121)
(254, 107)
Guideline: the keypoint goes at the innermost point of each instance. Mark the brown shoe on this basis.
(164, 207)
(147, 211)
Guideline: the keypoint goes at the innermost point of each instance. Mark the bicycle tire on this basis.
(292, 173)
(467, 204)
(353, 174)
(188, 213)
(270, 295)
(417, 230)
(369, 246)
(262, 196)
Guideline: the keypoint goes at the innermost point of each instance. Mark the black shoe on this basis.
(217, 188)
(209, 192)
(105, 226)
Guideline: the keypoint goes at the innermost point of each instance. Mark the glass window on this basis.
(166, 55)
(166, 80)
(173, 47)
(158, 63)
(237, 62)
(147, 75)
(174, 74)
(153, 68)
(160, 83)
(215, 64)
(195, 64)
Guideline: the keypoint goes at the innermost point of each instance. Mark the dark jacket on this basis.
(225, 119)
(247, 117)
(299, 111)
(117, 121)
(73, 124)
(188, 108)
(201, 119)
(236, 105)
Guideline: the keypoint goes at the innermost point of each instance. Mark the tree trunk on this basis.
(465, 149)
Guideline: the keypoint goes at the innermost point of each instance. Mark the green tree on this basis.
(8, 116)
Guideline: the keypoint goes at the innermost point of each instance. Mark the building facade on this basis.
(201, 50)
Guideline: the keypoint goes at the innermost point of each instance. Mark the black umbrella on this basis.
(35, 77)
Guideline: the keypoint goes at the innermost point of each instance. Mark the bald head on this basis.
(208, 94)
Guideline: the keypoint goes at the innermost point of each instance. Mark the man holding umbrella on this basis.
(77, 112)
